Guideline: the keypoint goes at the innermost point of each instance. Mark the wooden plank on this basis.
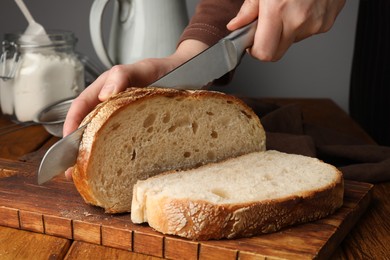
(148, 244)
(210, 252)
(31, 221)
(87, 232)
(65, 214)
(58, 226)
(19, 143)
(82, 250)
(297, 242)
(349, 222)
(243, 255)
(370, 237)
(117, 237)
(9, 217)
(176, 248)
(13, 167)
(20, 244)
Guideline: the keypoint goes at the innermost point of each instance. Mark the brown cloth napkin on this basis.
(288, 132)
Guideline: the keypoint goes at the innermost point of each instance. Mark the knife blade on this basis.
(60, 156)
(197, 72)
(212, 63)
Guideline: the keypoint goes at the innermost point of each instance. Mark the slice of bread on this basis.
(146, 131)
(256, 193)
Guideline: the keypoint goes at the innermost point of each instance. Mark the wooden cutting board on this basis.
(57, 209)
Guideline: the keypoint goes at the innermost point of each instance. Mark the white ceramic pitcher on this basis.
(139, 29)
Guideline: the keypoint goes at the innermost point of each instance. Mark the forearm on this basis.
(189, 48)
(208, 24)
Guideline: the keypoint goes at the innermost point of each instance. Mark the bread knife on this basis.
(60, 156)
(196, 73)
(212, 63)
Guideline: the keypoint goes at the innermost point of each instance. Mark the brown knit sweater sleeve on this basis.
(208, 24)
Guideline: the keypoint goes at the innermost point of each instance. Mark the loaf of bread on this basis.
(146, 131)
(255, 193)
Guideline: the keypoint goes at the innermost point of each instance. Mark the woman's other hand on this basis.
(283, 22)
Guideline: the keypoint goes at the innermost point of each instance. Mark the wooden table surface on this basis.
(369, 239)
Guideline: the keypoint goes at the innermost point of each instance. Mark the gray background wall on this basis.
(316, 67)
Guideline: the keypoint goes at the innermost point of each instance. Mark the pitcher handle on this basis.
(95, 27)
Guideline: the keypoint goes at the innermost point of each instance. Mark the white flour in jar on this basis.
(43, 79)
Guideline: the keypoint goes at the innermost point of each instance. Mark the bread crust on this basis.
(99, 117)
(202, 220)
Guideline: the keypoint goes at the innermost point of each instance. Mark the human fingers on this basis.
(116, 81)
(139, 74)
(247, 14)
(268, 33)
(269, 28)
(305, 19)
(83, 104)
(291, 21)
(68, 173)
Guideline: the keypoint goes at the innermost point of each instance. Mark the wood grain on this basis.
(31, 221)
(9, 217)
(210, 252)
(370, 238)
(81, 250)
(87, 232)
(58, 226)
(19, 143)
(176, 248)
(19, 244)
(117, 237)
(66, 215)
(148, 244)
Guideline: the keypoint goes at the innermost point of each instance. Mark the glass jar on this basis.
(37, 73)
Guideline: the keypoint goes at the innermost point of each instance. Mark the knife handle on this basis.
(242, 38)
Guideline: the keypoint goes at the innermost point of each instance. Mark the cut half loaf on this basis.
(146, 131)
(256, 193)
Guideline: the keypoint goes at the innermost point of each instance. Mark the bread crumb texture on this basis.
(256, 193)
(143, 132)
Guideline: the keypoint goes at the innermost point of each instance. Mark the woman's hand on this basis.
(283, 22)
